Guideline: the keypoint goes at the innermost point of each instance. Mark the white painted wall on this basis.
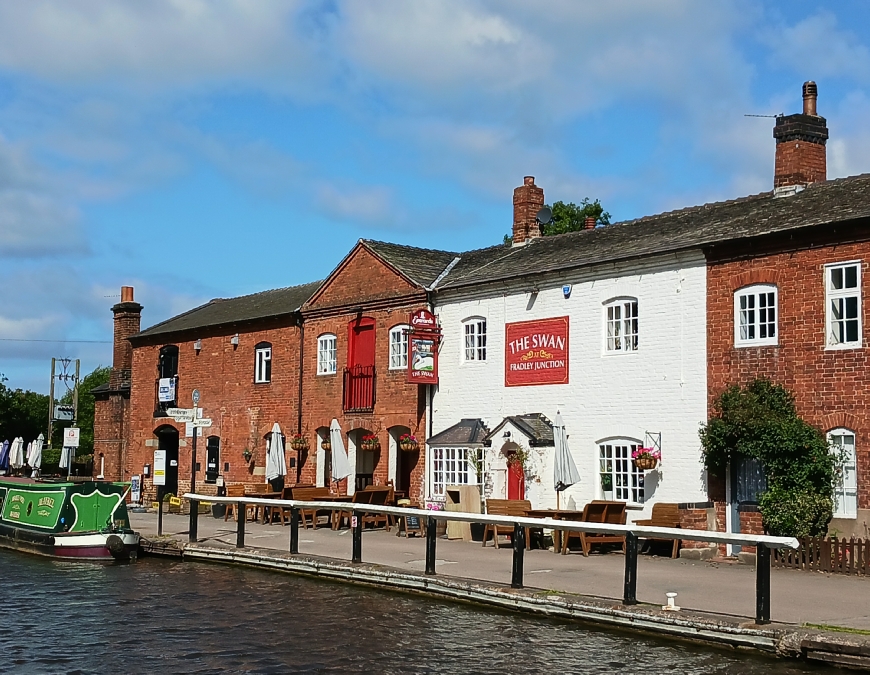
(662, 387)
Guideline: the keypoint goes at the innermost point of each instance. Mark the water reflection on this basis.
(170, 617)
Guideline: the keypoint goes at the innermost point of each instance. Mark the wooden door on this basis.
(516, 482)
(362, 343)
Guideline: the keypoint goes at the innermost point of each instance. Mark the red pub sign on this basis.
(423, 339)
(536, 352)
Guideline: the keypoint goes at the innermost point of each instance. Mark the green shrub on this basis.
(795, 512)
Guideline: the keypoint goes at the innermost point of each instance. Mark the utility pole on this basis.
(51, 403)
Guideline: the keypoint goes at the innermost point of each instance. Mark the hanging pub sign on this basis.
(536, 352)
(423, 339)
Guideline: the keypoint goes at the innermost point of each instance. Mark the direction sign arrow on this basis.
(180, 412)
(202, 422)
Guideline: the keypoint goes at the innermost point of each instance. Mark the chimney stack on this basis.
(800, 147)
(528, 200)
(128, 315)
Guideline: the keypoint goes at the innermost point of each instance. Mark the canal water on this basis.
(159, 616)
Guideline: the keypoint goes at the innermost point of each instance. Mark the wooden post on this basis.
(242, 515)
(294, 530)
(519, 543)
(194, 520)
(431, 532)
(356, 524)
(629, 592)
(762, 584)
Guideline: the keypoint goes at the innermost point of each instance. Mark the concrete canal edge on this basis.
(784, 640)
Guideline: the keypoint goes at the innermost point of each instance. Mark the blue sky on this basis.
(198, 149)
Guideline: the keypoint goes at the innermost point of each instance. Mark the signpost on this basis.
(194, 505)
(159, 482)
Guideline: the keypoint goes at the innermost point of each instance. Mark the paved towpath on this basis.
(723, 587)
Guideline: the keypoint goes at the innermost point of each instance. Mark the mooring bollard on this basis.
(519, 550)
(431, 534)
(629, 593)
(241, 514)
(762, 584)
(356, 524)
(294, 530)
(194, 521)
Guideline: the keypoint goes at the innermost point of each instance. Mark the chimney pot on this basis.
(529, 180)
(811, 94)
(590, 222)
(126, 294)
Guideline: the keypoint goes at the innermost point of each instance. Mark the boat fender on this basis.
(116, 547)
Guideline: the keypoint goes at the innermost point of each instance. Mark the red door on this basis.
(359, 376)
(516, 482)
(362, 343)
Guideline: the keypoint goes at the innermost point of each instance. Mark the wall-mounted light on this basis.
(197, 345)
(234, 340)
(507, 434)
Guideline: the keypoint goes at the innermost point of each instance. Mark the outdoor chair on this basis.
(379, 496)
(272, 511)
(310, 494)
(361, 497)
(506, 507)
(236, 491)
(664, 515)
(612, 513)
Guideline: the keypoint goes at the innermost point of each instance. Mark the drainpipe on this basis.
(431, 387)
(299, 398)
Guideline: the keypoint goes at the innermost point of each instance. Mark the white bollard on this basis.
(671, 606)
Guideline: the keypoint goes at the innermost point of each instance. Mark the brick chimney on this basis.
(128, 315)
(800, 146)
(528, 200)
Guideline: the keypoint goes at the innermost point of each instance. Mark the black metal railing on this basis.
(359, 389)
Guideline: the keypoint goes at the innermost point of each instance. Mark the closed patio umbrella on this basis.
(4, 458)
(565, 472)
(276, 466)
(66, 457)
(34, 458)
(16, 453)
(340, 464)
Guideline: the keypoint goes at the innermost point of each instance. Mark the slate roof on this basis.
(535, 426)
(465, 432)
(222, 311)
(421, 265)
(832, 201)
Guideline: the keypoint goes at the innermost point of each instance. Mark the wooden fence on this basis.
(839, 556)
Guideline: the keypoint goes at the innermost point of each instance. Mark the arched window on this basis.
(621, 325)
(620, 479)
(755, 316)
(167, 362)
(842, 442)
(263, 362)
(327, 363)
(475, 338)
(399, 347)
(167, 378)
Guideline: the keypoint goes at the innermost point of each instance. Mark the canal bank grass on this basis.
(836, 629)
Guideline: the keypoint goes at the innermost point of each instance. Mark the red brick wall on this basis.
(361, 278)
(830, 386)
(799, 163)
(693, 519)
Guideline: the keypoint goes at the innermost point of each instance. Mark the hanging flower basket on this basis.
(299, 442)
(371, 443)
(646, 459)
(326, 445)
(247, 455)
(408, 442)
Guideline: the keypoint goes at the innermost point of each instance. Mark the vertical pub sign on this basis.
(536, 352)
(423, 339)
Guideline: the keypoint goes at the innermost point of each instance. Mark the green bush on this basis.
(796, 512)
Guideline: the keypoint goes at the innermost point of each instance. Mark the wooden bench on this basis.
(506, 507)
(236, 491)
(664, 515)
(612, 513)
(310, 494)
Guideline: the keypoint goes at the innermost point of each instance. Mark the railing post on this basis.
(356, 525)
(762, 584)
(194, 520)
(242, 515)
(294, 530)
(431, 532)
(519, 549)
(629, 593)
(159, 511)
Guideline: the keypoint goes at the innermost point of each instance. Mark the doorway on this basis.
(167, 439)
(212, 459)
(516, 484)
(361, 343)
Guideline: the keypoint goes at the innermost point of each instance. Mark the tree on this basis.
(22, 413)
(760, 421)
(571, 217)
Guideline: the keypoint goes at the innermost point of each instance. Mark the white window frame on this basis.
(474, 339)
(399, 347)
(614, 457)
(451, 466)
(327, 354)
(752, 315)
(262, 372)
(834, 296)
(846, 482)
(621, 326)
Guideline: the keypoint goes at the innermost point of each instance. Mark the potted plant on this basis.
(607, 485)
(326, 445)
(371, 442)
(645, 459)
(299, 442)
(408, 442)
(246, 453)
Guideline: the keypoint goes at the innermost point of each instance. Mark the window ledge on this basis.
(749, 345)
(843, 347)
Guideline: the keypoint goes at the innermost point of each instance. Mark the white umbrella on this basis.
(276, 466)
(565, 473)
(66, 457)
(16, 453)
(340, 464)
(34, 458)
